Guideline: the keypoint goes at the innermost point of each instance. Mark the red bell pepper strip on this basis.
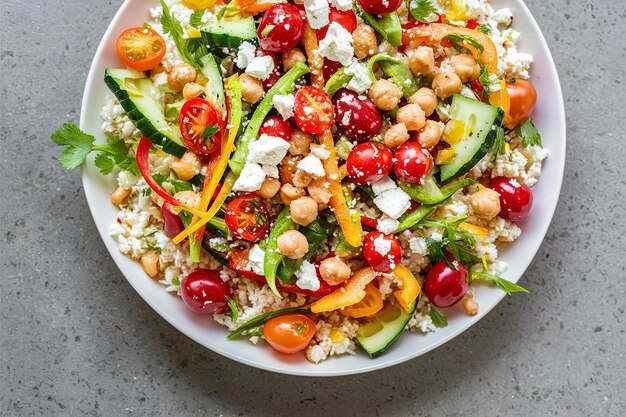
(143, 150)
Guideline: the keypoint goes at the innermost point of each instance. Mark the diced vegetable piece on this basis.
(407, 295)
(348, 294)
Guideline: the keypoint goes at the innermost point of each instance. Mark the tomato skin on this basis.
(444, 286)
(195, 115)
(289, 333)
(275, 125)
(172, 224)
(413, 162)
(204, 292)
(140, 48)
(247, 218)
(313, 110)
(287, 31)
(357, 117)
(346, 18)
(378, 261)
(329, 68)
(369, 162)
(523, 98)
(379, 6)
(516, 199)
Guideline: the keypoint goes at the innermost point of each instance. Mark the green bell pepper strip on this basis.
(388, 26)
(316, 234)
(337, 81)
(396, 71)
(283, 86)
(413, 218)
(429, 193)
(273, 257)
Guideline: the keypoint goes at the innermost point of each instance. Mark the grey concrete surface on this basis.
(77, 340)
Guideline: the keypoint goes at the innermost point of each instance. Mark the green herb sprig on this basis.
(421, 10)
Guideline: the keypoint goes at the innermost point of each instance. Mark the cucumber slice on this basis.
(229, 33)
(136, 95)
(380, 331)
(215, 85)
(480, 121)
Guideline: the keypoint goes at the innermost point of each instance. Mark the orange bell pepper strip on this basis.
(368, 306)
(410, 287)
(502, 99)
(349, 223)
(434, 33)
(348, 294)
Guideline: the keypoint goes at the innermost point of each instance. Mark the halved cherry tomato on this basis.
(247, 218)
(198, 4)
(275, 125)
(313, 110)
(195, 115)
(140, 48)
(346, 18)
(523, 97)
(370, 305)
(289, 333)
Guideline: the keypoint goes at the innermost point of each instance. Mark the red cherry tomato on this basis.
(172, 224)
(281, 28)
(382, 251)
(412, 162)
(195, 115)
(330, 67)
(313, 110)
(289, 333)
(444, 286)
(203, 291)
(275, 125)
(523, 98)
(369, 162)
(516, 198)
(247, 218)
(379, 6)
(356, 116)
(140, 48)
(346, 18)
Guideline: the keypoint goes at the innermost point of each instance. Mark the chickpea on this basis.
(187, 167)
(430, 134)
(319, 190)
(119, 195)
(192, 90)
(384, 94)
(300, 143)
(334, 271)
(269, 188)
(289, 192)
(292, 244)
(301, 178)
(485, 203)
(412, 116)
(470, 306)
(403, 58)
(188, 198)
(150, 263)
(180, 75)
(465, 66)
(396, 135)
(287, 168)
(159, 69)
(251, 88)
(447, 84)
(291, 57)
(426, 98)
(422, 60)
(365, 43)
(303, 210)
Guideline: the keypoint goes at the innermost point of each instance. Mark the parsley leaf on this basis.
(458, 242)
(195, 19)
(499, 145)
(437, 317)
(210, 130)
(484, 28)
(529, 132)
(234, 313)
(506, 286)
(189, 51)
(421, 10)
(484, 80)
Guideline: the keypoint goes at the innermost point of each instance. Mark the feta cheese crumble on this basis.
(284, 104)
(317, 12)
(245, 54)
(250, 179)
(312, 166)
(307, 277)
(267, 150)
(260, 67)
(337, 45)
(361, 81)
(255, 259)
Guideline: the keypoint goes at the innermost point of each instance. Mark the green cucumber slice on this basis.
(215, 84)
(229, 33)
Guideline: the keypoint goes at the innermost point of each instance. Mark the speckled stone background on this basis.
(77, 340)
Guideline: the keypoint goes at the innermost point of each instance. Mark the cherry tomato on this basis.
(275, 125)
(313, 110)
(523, 98)
(413, 162)
(330, 67)
(369, 162)
(445, 286)
(140, 48)
(346, 18)
(247, 218)
(203, 291)
(516, 198)
(172, 224)
(379, 6)
(289, 333)
(356, 116)
(281, 28)
(382, 251)
(195, 115)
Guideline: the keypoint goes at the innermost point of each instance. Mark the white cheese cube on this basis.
(250, 179)
(319, 151)
(393, 202)
(361, 81)
(382, 185)
(387, 225)
(317, 12)
(245, 54)
(260, 67)
(307, 277)
(284, 105)
(342, 5)
(337, 45)
(267, 150)
(312, 166)
(255, 259)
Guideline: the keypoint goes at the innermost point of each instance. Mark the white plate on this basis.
(549, 116)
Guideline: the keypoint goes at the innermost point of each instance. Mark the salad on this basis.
(319, 176)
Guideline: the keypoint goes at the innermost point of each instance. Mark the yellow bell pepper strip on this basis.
(368, 306)
(473, 229)
(501, 99)
(434, 33)
(349, 223)
(348, 294)
(410, 287)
